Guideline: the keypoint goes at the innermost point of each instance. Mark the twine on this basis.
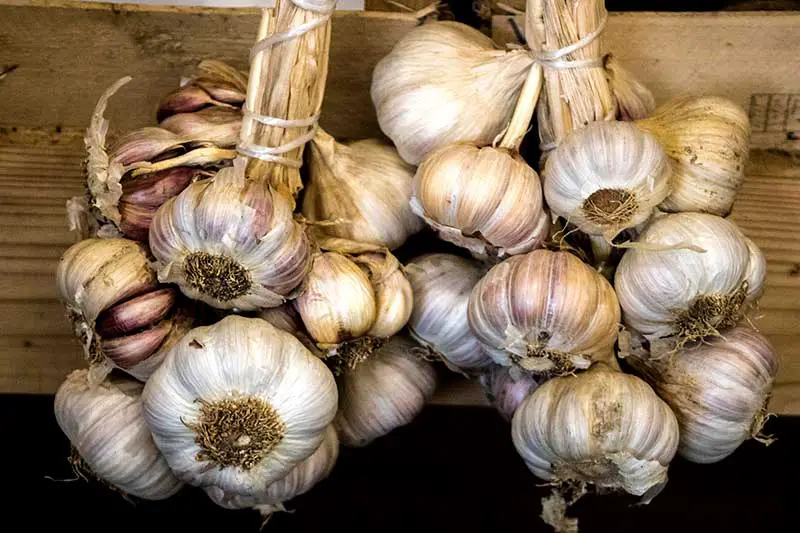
(274, 154)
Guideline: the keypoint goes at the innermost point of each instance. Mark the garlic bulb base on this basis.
(708, 315)
(540, 360)
(618, 471)
(253, 422)
(613, 208)
(217, 276)
(348, 355)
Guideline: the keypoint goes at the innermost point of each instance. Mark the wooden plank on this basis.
(749, 57)
(61, 72)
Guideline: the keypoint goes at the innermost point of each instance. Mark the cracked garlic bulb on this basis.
(441, 284)
(382, 390)
(600, 427)
(443, 83)
(103, 422)
(361, 189)
(119, 312)
(708, 140)
(606, 177)
(692, 275)
(719, 390)
(238, 405)
(300, 480)
(545, 312)
(231, 243)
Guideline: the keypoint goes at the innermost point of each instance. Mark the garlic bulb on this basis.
(445, 82)
(119, 312)
(691, 276)
(382, 392)
(606, 177)
(634, 100)
(718, 389)
(362, 189)
(441, 284)
(104, 424)
(214, 85)
(599, 427)
(545, 312)
(300, 480)
(708, 140)
(393, 296)
(230, 243)
(506, 388)
(238, 404)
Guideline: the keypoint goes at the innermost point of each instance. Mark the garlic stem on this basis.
(523, 113)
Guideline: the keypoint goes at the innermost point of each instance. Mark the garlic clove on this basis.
(105, 425)
(443, 83)
(718, 389)
(383, 392)
(144, 145)
(136, 220)
(128, 350)
(393, 296)
(154, 189)
(242, 377)
(187, 99)
(216, 125)
(136, 313)
(756, 272)
(222, 92)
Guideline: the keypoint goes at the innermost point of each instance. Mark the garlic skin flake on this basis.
(691, 277)
(545, 312)
(708, 140)
(230, 243)
(606, 177)
(386, 390)
(300, 480)
(599, 427)
(443, 83)
(104, 423)
(361, 189)
(238, 404)
(441, 284)
(718, 389)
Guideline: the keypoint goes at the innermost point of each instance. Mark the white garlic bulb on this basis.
(441, 284)
(545, 312)
(393, 296)
(104, 423)
(689, 277)
(599, 427)
(239, 404)
(606, 177)
(718, 389)
(230, 243)
(506, 389)
(445, 82)
(300, 480)
(708, 140)
(361, 189)
(119, 312)
(382, 392)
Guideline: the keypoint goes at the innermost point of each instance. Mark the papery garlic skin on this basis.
(756, 271)
(545, 312)
(394, 299)
(246, 378)
(634, 100)
(445, 82)
(442, 284)
(600, 427)
(337, 302)
(708, 140)
(506, 389)
(300, 480)
(385, 391)
(105, 425)
(487, 200)
(362, 189)
(230, 243)
(718, 389)
(674, 293)
(606, 177)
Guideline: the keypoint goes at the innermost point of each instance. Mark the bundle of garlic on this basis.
(361, 190)
(718, 389)
(444, 83)
(238, 405)
(691, 276)
(120, 313)
(103, 422)
(441, 285)
(482, 198)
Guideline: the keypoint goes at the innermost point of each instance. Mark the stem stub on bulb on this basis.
(237, 432)
(709, 314)
(610, 207)
(350, 354)
(217, 276)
